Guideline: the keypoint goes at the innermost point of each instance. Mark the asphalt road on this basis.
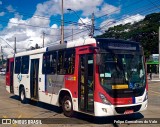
(11, 107)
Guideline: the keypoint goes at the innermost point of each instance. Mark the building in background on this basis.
(153, 64)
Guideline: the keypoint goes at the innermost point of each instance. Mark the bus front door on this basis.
(86, 83)
(34, 78)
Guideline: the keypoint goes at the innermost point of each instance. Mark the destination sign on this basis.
(121, 46)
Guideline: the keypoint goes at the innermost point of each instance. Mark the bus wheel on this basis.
(67, 106)
(22, 95)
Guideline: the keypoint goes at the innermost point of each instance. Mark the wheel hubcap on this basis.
(67, 105)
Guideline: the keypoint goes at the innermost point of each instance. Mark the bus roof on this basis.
(116, 40)
(30, 52)
(10, 56)
(72, 44)
(55, 47)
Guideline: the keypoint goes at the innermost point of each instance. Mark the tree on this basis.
(145, 32)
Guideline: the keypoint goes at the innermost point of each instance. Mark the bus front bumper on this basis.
(111, 110)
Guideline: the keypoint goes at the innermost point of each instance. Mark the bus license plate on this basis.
(128, 112)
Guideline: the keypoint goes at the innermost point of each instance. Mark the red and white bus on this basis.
(100, 77)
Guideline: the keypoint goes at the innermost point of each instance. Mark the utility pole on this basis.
(92, 27)
(159, 52)
(62, 25)
(15, 51)
(43, 38)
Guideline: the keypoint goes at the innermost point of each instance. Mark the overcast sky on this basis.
(28, 19)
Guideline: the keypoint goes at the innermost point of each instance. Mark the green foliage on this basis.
(145, 32)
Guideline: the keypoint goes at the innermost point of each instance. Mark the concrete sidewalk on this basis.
(155, 77)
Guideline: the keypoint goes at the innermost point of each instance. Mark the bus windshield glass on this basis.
(122, 73)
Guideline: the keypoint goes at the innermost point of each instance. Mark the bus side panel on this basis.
(71, 82)
(46, 83)
(8, 74)
(16, 84)
(49, 88)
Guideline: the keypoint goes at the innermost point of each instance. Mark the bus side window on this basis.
(44, 64)
(60, 64)
(25, 65)
(72, 62)
(69, 61)
(17, 65)
(49, 63)
(48, 69)
(53, 62)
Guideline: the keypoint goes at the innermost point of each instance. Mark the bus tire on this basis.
(22, 96)
(67, 106)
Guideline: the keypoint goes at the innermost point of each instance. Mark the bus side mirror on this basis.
(94, 49)
(98, 59)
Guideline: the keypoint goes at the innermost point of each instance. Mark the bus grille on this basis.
(121, 110)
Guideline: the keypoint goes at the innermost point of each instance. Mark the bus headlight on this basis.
(104, 99)
(146, 97)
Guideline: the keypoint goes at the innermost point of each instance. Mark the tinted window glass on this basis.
(69, 61)
(60, 62)
(17, 65)
(60, 65)
(25, 65)
(49, 63)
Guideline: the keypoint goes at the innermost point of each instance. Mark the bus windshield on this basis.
(125, 70)
(121, 68)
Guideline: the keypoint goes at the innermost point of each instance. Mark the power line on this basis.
(142, 11)
(47, 18)
(118, 9)
(42, 17)
(7, 43)
(48, 27)
(33, 16)
(137, 11)
(154, 4)
(75, 33)
(85, 30)
(22, 24)
(27, 25)
(70, 22)
(52, 34)
(115, 10)
(66, 37)
(121, 19)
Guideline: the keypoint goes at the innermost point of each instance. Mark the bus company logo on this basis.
(19, 76)
(6, 121)
(71, 78)
(131, 85)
